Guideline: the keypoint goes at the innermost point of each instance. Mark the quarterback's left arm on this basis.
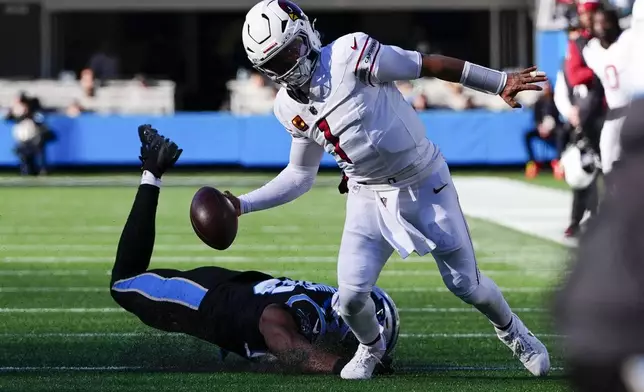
(380, 63)
(296, 179)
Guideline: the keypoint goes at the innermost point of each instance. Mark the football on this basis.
(213, 218)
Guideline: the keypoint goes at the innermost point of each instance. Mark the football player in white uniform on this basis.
(341, 99)
(608, 55)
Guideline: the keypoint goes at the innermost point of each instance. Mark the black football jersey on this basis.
(233, 307)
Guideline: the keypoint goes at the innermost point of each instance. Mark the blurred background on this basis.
(90, 68)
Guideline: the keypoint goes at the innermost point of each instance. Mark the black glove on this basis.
(344, 187)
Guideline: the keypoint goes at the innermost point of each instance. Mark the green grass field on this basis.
(60, 329)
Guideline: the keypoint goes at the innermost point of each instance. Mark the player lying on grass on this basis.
(248, 313)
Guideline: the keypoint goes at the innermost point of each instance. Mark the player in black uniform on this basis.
(248, 313)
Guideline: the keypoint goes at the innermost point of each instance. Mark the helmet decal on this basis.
(294, 12)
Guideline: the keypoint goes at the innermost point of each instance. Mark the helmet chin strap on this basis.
(301, 93)
(314, 30)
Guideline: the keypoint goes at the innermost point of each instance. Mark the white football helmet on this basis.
(580, 167)
(281, 42)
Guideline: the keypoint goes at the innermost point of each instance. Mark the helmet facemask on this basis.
(292, 65)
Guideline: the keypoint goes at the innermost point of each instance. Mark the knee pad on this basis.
(476, 293)
(348, 302)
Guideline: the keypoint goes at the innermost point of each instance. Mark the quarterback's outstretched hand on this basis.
(233, 199)
(522, 81)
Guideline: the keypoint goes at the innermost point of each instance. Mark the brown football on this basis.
(213, 218)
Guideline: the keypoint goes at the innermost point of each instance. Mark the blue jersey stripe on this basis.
(177, 290)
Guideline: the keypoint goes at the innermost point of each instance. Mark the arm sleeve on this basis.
(379, 63)
(561, 96)
(296, 179)
(576, 70)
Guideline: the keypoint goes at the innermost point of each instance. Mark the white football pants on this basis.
(430, 219)
(609, 143)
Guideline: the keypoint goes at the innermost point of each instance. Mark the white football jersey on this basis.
(357, 114)
(638, 11)
(636, 76)
(611, 66)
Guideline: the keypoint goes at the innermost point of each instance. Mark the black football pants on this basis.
(166, 299)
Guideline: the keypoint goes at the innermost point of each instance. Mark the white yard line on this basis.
(8, 369)
(91, 335)
(117, 310)
(531, 209)
(91, 229)
(465, 310)
(72, 368)
(293, 273)
(217, 259)
(496, 249)
(164, 247)
(104, 289)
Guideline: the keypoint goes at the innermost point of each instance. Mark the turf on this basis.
(61, 331)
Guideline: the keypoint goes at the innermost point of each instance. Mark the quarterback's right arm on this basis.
(296, 179)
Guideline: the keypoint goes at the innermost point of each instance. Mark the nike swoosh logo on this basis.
(438, 190)
(355, 44)
(316, 327)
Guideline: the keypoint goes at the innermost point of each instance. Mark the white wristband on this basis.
(149, 179)
(483, 79)
(244, 205)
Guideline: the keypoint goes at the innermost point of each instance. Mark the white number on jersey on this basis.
(276, 286)
(612, 77)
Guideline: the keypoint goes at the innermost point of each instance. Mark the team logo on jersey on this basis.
(371, 52)
(294, 12)
(299, 123)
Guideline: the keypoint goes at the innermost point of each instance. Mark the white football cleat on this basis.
(364, 361)
(530, 351)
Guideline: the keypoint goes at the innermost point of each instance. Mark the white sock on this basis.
(492, 303)
(364, 323)
(149, 179)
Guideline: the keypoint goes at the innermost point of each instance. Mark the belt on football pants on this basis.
(403, 175)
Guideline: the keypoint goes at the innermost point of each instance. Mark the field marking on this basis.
(294, 273)
(54, 290)
(7, 369)
(411, 369)
(164, 247)
(464, 335)
(262, 260)
(322, 181)
(116, 310)
(107, 229)
(495, 248)
(101, 289)
(84, 335)
(61, 310)
(465, 310)
(494, 251)
(531, 209)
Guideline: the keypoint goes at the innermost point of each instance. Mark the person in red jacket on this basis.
(577, 72)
